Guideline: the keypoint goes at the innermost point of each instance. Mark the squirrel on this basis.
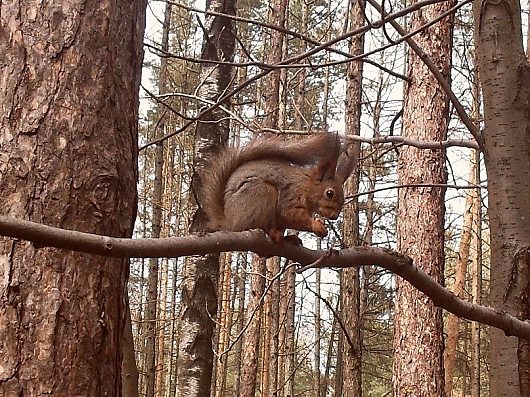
(274, 184)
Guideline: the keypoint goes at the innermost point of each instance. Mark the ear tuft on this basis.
(326, 170)
(348, 161)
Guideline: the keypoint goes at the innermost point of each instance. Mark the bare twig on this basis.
(314, 50)
(436, 72)
(470, 143)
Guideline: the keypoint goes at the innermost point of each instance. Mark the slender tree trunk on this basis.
(199, 289)
(266, 337)
(241, 291)
(290, 345)
(274, 266)
(252, 335)
(318, 331)
(505, 80)
(476, 285)
(418, 336)
(129, 373)
(338, 381)
(453, 324)
(352, 356)
(329, 357)
(156, 223)
(68, 133)
(225, 323)
(271, 93)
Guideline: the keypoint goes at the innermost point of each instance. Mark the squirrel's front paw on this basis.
(319, 228)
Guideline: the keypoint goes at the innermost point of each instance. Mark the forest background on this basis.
(429, 101)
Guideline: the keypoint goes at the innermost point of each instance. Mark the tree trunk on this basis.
(241, 291)
(504, 75)
(352, 345)
(318, 330)
(68, 133)
(252, 334)
(199, 288)
(476, 285)
(129, 373)
(225, 324)
(453, 324)
(156, 223)
(290, 346)
(418, 337)
(271, 94)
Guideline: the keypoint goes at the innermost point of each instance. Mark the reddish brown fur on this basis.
(274, 184)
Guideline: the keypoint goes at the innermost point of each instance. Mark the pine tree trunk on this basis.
(241, 291)
(252, 334)
(290, 347)
(274, 52)
(418, 336)
(504, 75)
(68, 133)
(352, 345)
(225, 323)
(158, 191)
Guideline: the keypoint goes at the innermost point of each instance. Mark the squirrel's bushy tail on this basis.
(317, 148)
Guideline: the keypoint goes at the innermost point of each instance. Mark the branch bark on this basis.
(256, 241)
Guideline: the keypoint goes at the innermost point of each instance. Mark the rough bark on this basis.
(68, 139)
(350, 294)
(418, 338)
(252, 335)
(274, 51)
(199, 288)
(505, 80)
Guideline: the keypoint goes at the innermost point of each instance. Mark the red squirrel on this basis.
(275, 184)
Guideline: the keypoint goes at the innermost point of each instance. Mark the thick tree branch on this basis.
(256, 241)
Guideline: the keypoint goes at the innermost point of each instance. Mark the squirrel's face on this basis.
(325, 193)
(331, 202)
(328, 199)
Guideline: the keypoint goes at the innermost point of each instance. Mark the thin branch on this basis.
(256, 241)
(417, 185)
(297, 58)
(436, 73)
(470, 143)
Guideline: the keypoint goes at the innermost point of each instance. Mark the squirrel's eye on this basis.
(330, 193)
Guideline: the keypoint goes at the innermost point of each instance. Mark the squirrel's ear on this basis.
(326, 170)
(327, 167)
(348, 161)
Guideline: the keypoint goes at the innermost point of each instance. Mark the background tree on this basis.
(199, 294)
(418, 337)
